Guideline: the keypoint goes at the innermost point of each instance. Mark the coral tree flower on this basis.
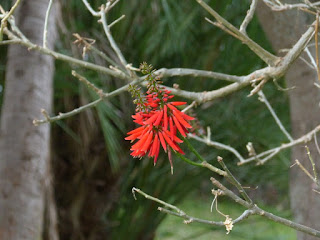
(160, 122)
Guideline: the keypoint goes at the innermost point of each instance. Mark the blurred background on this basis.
(93, 170)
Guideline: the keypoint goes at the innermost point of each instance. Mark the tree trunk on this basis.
(283, 29)
(24, 148)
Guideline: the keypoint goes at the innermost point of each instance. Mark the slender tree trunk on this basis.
(24, 148)
(283, 29)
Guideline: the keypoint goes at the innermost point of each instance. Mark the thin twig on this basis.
(194, 103)
(234, 181)
(7, 42)
(263, 99)
(45, 31)
(173, 72)
(258, 211)
(313, 63)
(147, 196)
(271, 152)
(6, 17)
(266, 56)
(217, 145)
(258, 87)
(112, 5)
(88, 6)
(116, 21)
(88, 83)
(282, 7)
(62, 57)
(230, 194)
(304, 170)
(316, 143)
(214, 169)
(315, 174)
(87, 106)
(89, 46)
(202, 164)
(61, 116)
(190, 219)
(316, 42)
(110, 38)
(248, 17)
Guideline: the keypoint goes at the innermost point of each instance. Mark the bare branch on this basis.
(278, 6)
(268, 73)
(61, 116)
(272, 152)
(266, 56)
(217, 145)
(173, 72)
(258, 211)
(71, 60)
(261, 157)
(87, 106)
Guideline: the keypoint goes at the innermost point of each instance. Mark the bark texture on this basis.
(24, 148)
(283, 29)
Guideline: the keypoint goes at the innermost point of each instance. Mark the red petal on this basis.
(156, 153)
(150, 151)
(157, 122)
(171, 144)
(171, 127)
(172, 107)
(139, 121)
(176, 139)
(181, 120)
(180, 150)
(139, 129)
(140, 143)
(178, 103)
(163, 143)
(186, 117)
(179, 126)
(133, 136)
(153, 118)
(165, 120)
(154, 144)
(148, 128)
(137, 153)
(146, 145)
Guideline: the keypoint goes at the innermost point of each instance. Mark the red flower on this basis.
(159, 125)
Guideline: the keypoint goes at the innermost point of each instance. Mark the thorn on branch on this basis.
(258, 87)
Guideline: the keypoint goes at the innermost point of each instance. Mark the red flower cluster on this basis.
(159, 122)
